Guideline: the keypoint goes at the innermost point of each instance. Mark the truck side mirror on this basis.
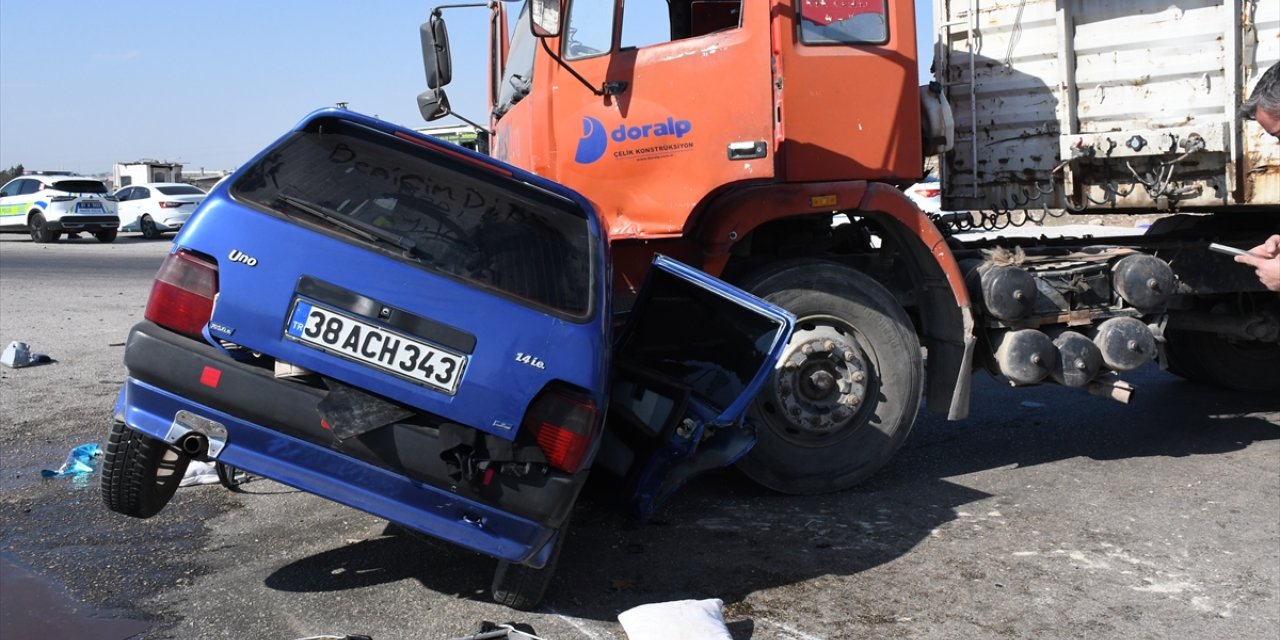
(433, 104)
(545, 16)
(435, 53)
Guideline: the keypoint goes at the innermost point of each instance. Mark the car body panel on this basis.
(137, 201)
(435, 462)
(62, 210)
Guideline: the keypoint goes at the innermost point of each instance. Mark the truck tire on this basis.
(849, 385)
(139, 473)
(1213, 359)
(522, 587)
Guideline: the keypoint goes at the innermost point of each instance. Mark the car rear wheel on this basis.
(40, 232)
(149, 230)
(139, 473)
(522, 587)
(106, 235)
(849, 384)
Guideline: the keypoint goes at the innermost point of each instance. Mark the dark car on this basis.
(426, 334)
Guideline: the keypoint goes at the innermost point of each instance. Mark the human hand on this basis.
(1265, 259)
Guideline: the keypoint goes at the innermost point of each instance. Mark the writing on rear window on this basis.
(428, 209)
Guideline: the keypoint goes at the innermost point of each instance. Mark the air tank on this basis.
(1079, 360)
(1126, 343)
(1025, 356)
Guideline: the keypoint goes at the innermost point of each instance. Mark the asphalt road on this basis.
(1048, 514)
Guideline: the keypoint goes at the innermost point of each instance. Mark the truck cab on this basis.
(728, 134)
(767, 144)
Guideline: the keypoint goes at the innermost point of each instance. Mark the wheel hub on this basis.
(822, 381)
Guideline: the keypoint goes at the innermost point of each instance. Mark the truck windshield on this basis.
(430, 210)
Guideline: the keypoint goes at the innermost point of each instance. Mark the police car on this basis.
(47, 206)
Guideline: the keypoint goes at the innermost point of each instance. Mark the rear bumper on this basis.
(83, 223)
(395, 472)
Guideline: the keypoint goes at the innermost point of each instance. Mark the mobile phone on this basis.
(1231, 251)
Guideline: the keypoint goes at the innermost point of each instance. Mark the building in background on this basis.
(205, 180)
(144, 171)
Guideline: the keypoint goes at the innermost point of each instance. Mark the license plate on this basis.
(375, 346)
(83, 206)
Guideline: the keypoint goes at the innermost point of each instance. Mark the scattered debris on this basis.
(703, 619)
(199, 473)
(510, 630)
(331, 637)
(80, 461)
(18, 354)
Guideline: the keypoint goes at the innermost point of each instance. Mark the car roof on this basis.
(58, 178)
(160, 184)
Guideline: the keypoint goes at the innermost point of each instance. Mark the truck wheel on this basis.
(139, 473)
(1212, 359)
(106, 235)
(39, 232)
(149, 230)
(522, 587)
(849, 384)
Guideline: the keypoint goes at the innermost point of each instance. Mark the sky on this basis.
(209, 84)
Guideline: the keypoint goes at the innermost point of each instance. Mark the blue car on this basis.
(423, 333)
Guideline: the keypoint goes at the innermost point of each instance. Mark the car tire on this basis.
(40, 232)
(106, 235)
(139, 473)
(522, 587)
(149, 229)
(848, 389)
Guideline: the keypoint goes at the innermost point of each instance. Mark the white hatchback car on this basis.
(47, 206)
(157, 207)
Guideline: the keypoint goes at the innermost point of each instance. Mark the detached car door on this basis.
(694, 353)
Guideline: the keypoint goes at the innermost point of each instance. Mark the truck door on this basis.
(694, 353)
(847, 90)
(695, 114)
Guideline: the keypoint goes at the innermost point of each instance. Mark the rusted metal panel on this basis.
(1126, 105)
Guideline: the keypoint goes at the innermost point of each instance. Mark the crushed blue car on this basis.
(426, 334)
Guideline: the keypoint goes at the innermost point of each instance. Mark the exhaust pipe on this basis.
(196, 436)
(193, 444)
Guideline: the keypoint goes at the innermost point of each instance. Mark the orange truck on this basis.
(767, 142)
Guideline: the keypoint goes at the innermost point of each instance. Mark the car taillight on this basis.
(564, 426)
(182, 295)
(171, 205)
(928, 193)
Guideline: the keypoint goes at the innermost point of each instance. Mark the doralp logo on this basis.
(595, 142)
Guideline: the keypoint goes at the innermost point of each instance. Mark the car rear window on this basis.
(180, 190)
(79, 186)
(462, 221)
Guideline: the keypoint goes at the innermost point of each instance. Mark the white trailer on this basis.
(1133, 102)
